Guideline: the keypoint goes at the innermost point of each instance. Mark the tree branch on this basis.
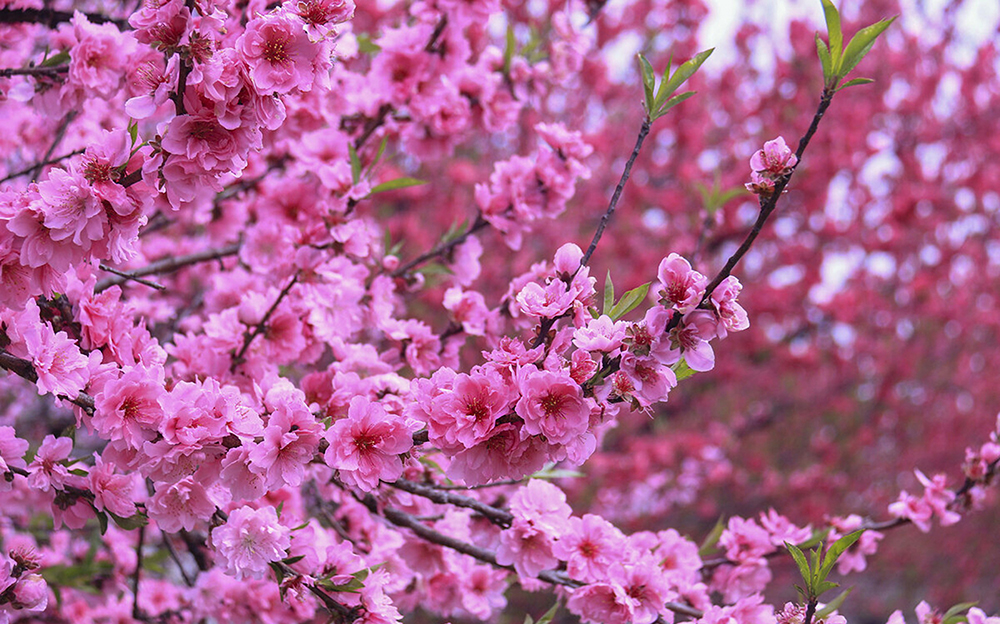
(493, 514)
(53, 18)
(616, 196)
(167, 265)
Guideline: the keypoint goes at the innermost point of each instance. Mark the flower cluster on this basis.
(768, 165)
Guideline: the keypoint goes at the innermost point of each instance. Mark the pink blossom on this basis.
(61, 368)
(547, 301)
(47, 471)
(731, 313)
(914, 509)
(690, 340)
(505, 454)
(600, 334)
(73, 212)
(775, 159)
(322, 16)
(466, 415)
(650, 381)
(365, 447)
(745, 540)
(590, 546)
(468, 308)
(180, 505)
(249, 541)
(680, 286)
(30, 594)
(552, 405)
(602, 603)
(97, 59)
(12, 450)
(129, 408)
(279, 53)
(782, 530)
(113, 492)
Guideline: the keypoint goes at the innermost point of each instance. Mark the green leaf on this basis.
(833, 605)
(58, 59)
(855, 82)
(293, 560)
(551, 473)
(365, 44)
(378, 154)
(80, 472)
(953, 615)
(648, 82)
(508, 53)
(628, 302)
(102, 519)
(823, 587)
(609, 294)
(685, 71)
(134, 521)
(836, 550)
(708, 544)
(398, 183)
(133, 130)
(833, 30)
(549, 615)
(355, 163)
(279, 508)
(800, 560)
(672, 102)
(815, 539)
(860, 44)
(682, 371)
(824, 60)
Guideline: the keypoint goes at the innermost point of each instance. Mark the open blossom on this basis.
(279, 53)
(552, 405)
(250, 540)
(775, 159)
(365, 447)
(680, 286)
(12, 450)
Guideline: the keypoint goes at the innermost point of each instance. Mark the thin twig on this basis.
(56, 140)
(442, 249)
(53, 18)
(136, 612)
(52, 161)
(768, 205)
(132, 278)
(48, 72)
(616, 196)
(259, 329)
(553, 577)
(169, 265)
(177, 560)
(26, 370)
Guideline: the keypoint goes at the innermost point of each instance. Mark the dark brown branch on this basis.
(261, 327)
(768, 205)
(53, 18)
(168, 265)
(616, 196)
(493, 514)
(128, 277)
(49, 72)
(442, 248)
(405, 520)
(43, 163)
(136, 611)
(26, 370)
